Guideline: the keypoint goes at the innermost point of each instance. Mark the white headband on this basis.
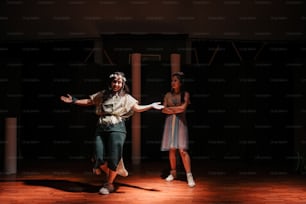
(117, 75)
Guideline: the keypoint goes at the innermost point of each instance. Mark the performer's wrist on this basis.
(74, 99)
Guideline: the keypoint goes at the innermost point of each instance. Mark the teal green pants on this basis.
(109, 140)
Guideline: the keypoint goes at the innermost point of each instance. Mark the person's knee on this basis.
(183, 152)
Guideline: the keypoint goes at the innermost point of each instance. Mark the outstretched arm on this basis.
(81, 102)
(142, 108)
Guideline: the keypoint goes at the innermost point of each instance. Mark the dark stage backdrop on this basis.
(248, 100)
(210, 19)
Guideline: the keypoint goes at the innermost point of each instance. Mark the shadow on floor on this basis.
(64, 185)
(76, 187)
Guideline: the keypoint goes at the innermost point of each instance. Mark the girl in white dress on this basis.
(175, 134)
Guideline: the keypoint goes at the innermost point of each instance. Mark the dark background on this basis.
(244, 64)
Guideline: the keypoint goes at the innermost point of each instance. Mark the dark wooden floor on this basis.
(62, 182)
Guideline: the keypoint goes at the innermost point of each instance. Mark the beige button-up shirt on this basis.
(114, 109)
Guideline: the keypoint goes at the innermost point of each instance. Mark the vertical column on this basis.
(10, 165)
(175, 62)
(136, 119)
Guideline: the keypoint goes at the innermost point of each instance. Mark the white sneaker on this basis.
(104, 191)
(170, 178)
(107, 189)
(190, 180)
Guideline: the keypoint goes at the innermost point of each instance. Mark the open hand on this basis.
(67, 99)
(157, 106)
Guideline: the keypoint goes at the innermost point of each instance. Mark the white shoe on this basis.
(104, 191)
(170, 178)
(107, 189)
(190, 180)
(121, 171)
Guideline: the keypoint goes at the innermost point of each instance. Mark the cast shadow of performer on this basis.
(76, 187)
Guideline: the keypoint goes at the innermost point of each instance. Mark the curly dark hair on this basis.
(108, 93)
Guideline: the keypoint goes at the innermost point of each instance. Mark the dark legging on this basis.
(109, 142)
